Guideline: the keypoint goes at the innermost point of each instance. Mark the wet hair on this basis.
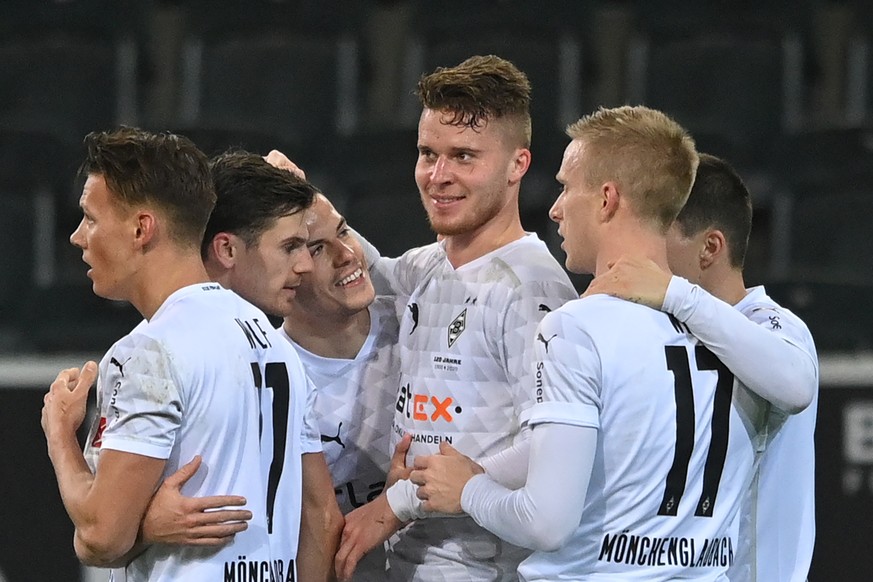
(480, 89)
(163, 170)
(252, 196)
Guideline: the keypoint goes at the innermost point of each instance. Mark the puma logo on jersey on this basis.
(119, 365)
(457, 327)
(334, 439)
(774, 322)
(546, 341)
(413, 308)
(544, 307)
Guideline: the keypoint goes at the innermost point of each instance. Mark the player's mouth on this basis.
(353, 278)
(442, 201)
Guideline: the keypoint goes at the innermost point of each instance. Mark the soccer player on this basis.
(474, 300)
(255, 244)
(642, 449)
(185, 382)
(347, 340)
(765, 346)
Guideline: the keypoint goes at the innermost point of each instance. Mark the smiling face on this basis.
(339, 285)
(106, 236)
(464, 174)
(268, 274)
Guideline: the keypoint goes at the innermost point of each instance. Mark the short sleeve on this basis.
(567, 374)
(144, 402)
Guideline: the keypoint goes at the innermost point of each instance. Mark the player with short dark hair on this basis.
(184, 382)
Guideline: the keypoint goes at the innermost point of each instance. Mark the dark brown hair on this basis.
(480, 89)
(159, 169)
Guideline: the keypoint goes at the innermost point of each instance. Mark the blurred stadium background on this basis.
(784, 90)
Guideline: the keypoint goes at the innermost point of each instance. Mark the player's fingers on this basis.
(226, 516)
(448, 450)
(217, 501)
(224, 530)
(400, 450)
(63, 379)
(421, 462)
(417, 477)
(87, 376)
(422, 493)
(185, 472)
(343, 562)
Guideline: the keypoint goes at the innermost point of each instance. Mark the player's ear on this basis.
(714, 248)
(519, 165)
(146, 228)
(224, 249)
(610, 199)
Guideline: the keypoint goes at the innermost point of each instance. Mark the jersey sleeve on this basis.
(567, 374)
(397, 276)
(546, 511)
(528, 306)
(145, 404)
(310, 437)
(766, 350)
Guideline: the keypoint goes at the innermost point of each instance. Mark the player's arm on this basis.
(399, 275)
(516, 330)
(543, 513)
(107, 506)
(772, 362)
(565, 421)
(172, 518)
(321, 522)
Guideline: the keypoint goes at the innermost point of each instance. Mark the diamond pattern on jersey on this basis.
(464, 377)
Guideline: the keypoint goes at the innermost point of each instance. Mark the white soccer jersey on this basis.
(676, 446)
(779, 520)
(466, 347)
(209, 376)
(354, 406)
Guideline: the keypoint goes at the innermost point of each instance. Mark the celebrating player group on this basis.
(458, 413)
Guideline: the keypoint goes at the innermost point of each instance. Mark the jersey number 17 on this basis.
(678, 363)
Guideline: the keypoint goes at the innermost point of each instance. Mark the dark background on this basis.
(783, 90)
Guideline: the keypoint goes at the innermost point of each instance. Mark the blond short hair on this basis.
(649, 156)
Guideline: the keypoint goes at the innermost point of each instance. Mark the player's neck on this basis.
(728, 284)
(639, 242)
(339, 338)
(167, 271)
(499, 232)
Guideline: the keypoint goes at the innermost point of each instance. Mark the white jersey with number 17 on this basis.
(676, 444)
(207, 375)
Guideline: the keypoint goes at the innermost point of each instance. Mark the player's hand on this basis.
(366, 528)
(441, 478)
(172, 518)
(633, 279)
(279, 160)
(398, 469)
(64, 404)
